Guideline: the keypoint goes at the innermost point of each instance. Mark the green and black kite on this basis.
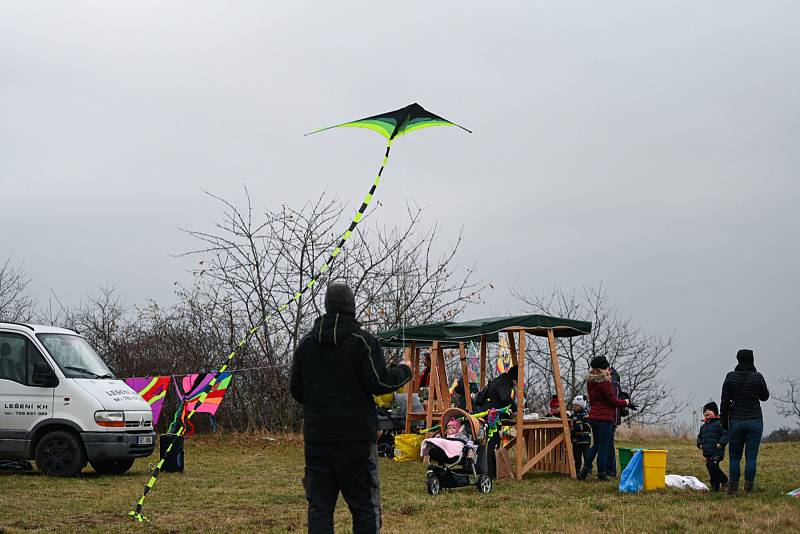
(398, 122)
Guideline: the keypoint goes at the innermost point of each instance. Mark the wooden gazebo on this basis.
(540, 444)
(431, 337)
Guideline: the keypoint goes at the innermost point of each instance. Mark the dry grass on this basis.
(655, 432)
(251, 483)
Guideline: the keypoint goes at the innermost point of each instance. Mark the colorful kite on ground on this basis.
(152, 389)
(390, 125)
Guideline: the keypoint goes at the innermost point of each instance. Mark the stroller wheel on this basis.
(434, 485)
(484, 483)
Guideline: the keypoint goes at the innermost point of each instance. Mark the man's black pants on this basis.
(717, 475)
(349, 467)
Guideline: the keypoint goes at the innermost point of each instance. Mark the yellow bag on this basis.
(406, 447)
(385, 400)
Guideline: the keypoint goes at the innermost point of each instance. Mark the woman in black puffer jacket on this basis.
(743, 392)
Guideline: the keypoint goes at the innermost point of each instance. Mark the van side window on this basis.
(17, 358)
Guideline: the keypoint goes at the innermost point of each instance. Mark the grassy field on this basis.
(243, 483)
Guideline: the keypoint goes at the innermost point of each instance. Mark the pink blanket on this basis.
(452, 448)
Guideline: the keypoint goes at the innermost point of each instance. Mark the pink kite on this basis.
(152, 389)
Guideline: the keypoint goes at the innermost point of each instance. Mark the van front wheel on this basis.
(60, 454)
(112, 467)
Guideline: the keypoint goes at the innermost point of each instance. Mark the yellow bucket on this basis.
(655, 468)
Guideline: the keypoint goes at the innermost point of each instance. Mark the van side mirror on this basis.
(43, 376)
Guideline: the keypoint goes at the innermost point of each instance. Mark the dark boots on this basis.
(733, 488)
(584, 473)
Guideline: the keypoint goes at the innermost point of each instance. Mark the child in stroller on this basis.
(459, 456)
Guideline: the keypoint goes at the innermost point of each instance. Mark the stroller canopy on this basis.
(457, 413)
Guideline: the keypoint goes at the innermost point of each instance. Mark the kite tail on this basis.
(137, 512)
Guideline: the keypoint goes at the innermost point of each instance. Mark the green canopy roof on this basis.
(450, 333)
(537, 325)
(424, 335)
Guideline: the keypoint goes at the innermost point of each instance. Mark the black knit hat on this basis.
(599, 362)
(711, 406)
(339, 299)
(744, 356)
(512, 372)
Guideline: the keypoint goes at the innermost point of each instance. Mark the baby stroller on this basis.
(458, 460)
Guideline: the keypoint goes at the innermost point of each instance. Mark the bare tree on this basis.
(789, 401)
(16, 304)
(248, 265)
(397, 275)
(639, 357)
(102, 322)
(253, 262)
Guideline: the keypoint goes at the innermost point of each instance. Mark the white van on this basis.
(60, 404)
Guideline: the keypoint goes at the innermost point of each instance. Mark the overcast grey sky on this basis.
(650, 146)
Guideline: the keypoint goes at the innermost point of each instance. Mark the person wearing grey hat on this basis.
(743, 392)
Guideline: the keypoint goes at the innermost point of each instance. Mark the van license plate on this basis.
(145, 440)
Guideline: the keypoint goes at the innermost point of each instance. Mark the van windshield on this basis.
(74, 356)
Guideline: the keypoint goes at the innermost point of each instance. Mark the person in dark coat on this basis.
(712, 439)
(602, 405)
(459, 396)
(336, 370)
(425, 377)
(497, 394)
(616, 387)
(743, 392)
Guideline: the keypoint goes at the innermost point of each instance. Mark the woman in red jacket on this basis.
(602, 413)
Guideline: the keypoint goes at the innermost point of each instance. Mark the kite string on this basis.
(232, 371)
(137, 512)
(401, 259)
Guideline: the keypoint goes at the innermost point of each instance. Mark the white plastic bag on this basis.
(685, 482)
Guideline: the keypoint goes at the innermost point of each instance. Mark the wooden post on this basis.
(432, 384)
(415, 362)
(444, 387)
(551, 340)
(483, 361)
(465, 375)
(512, 347)
(520, 400)
(413, 384)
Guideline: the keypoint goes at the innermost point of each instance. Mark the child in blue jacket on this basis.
(580, 431)
(712, 439)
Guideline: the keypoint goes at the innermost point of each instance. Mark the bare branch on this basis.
(638, 357)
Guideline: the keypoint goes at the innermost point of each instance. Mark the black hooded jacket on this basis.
(497, 394)
(337, 368)
(743, 392)
(711, 433)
